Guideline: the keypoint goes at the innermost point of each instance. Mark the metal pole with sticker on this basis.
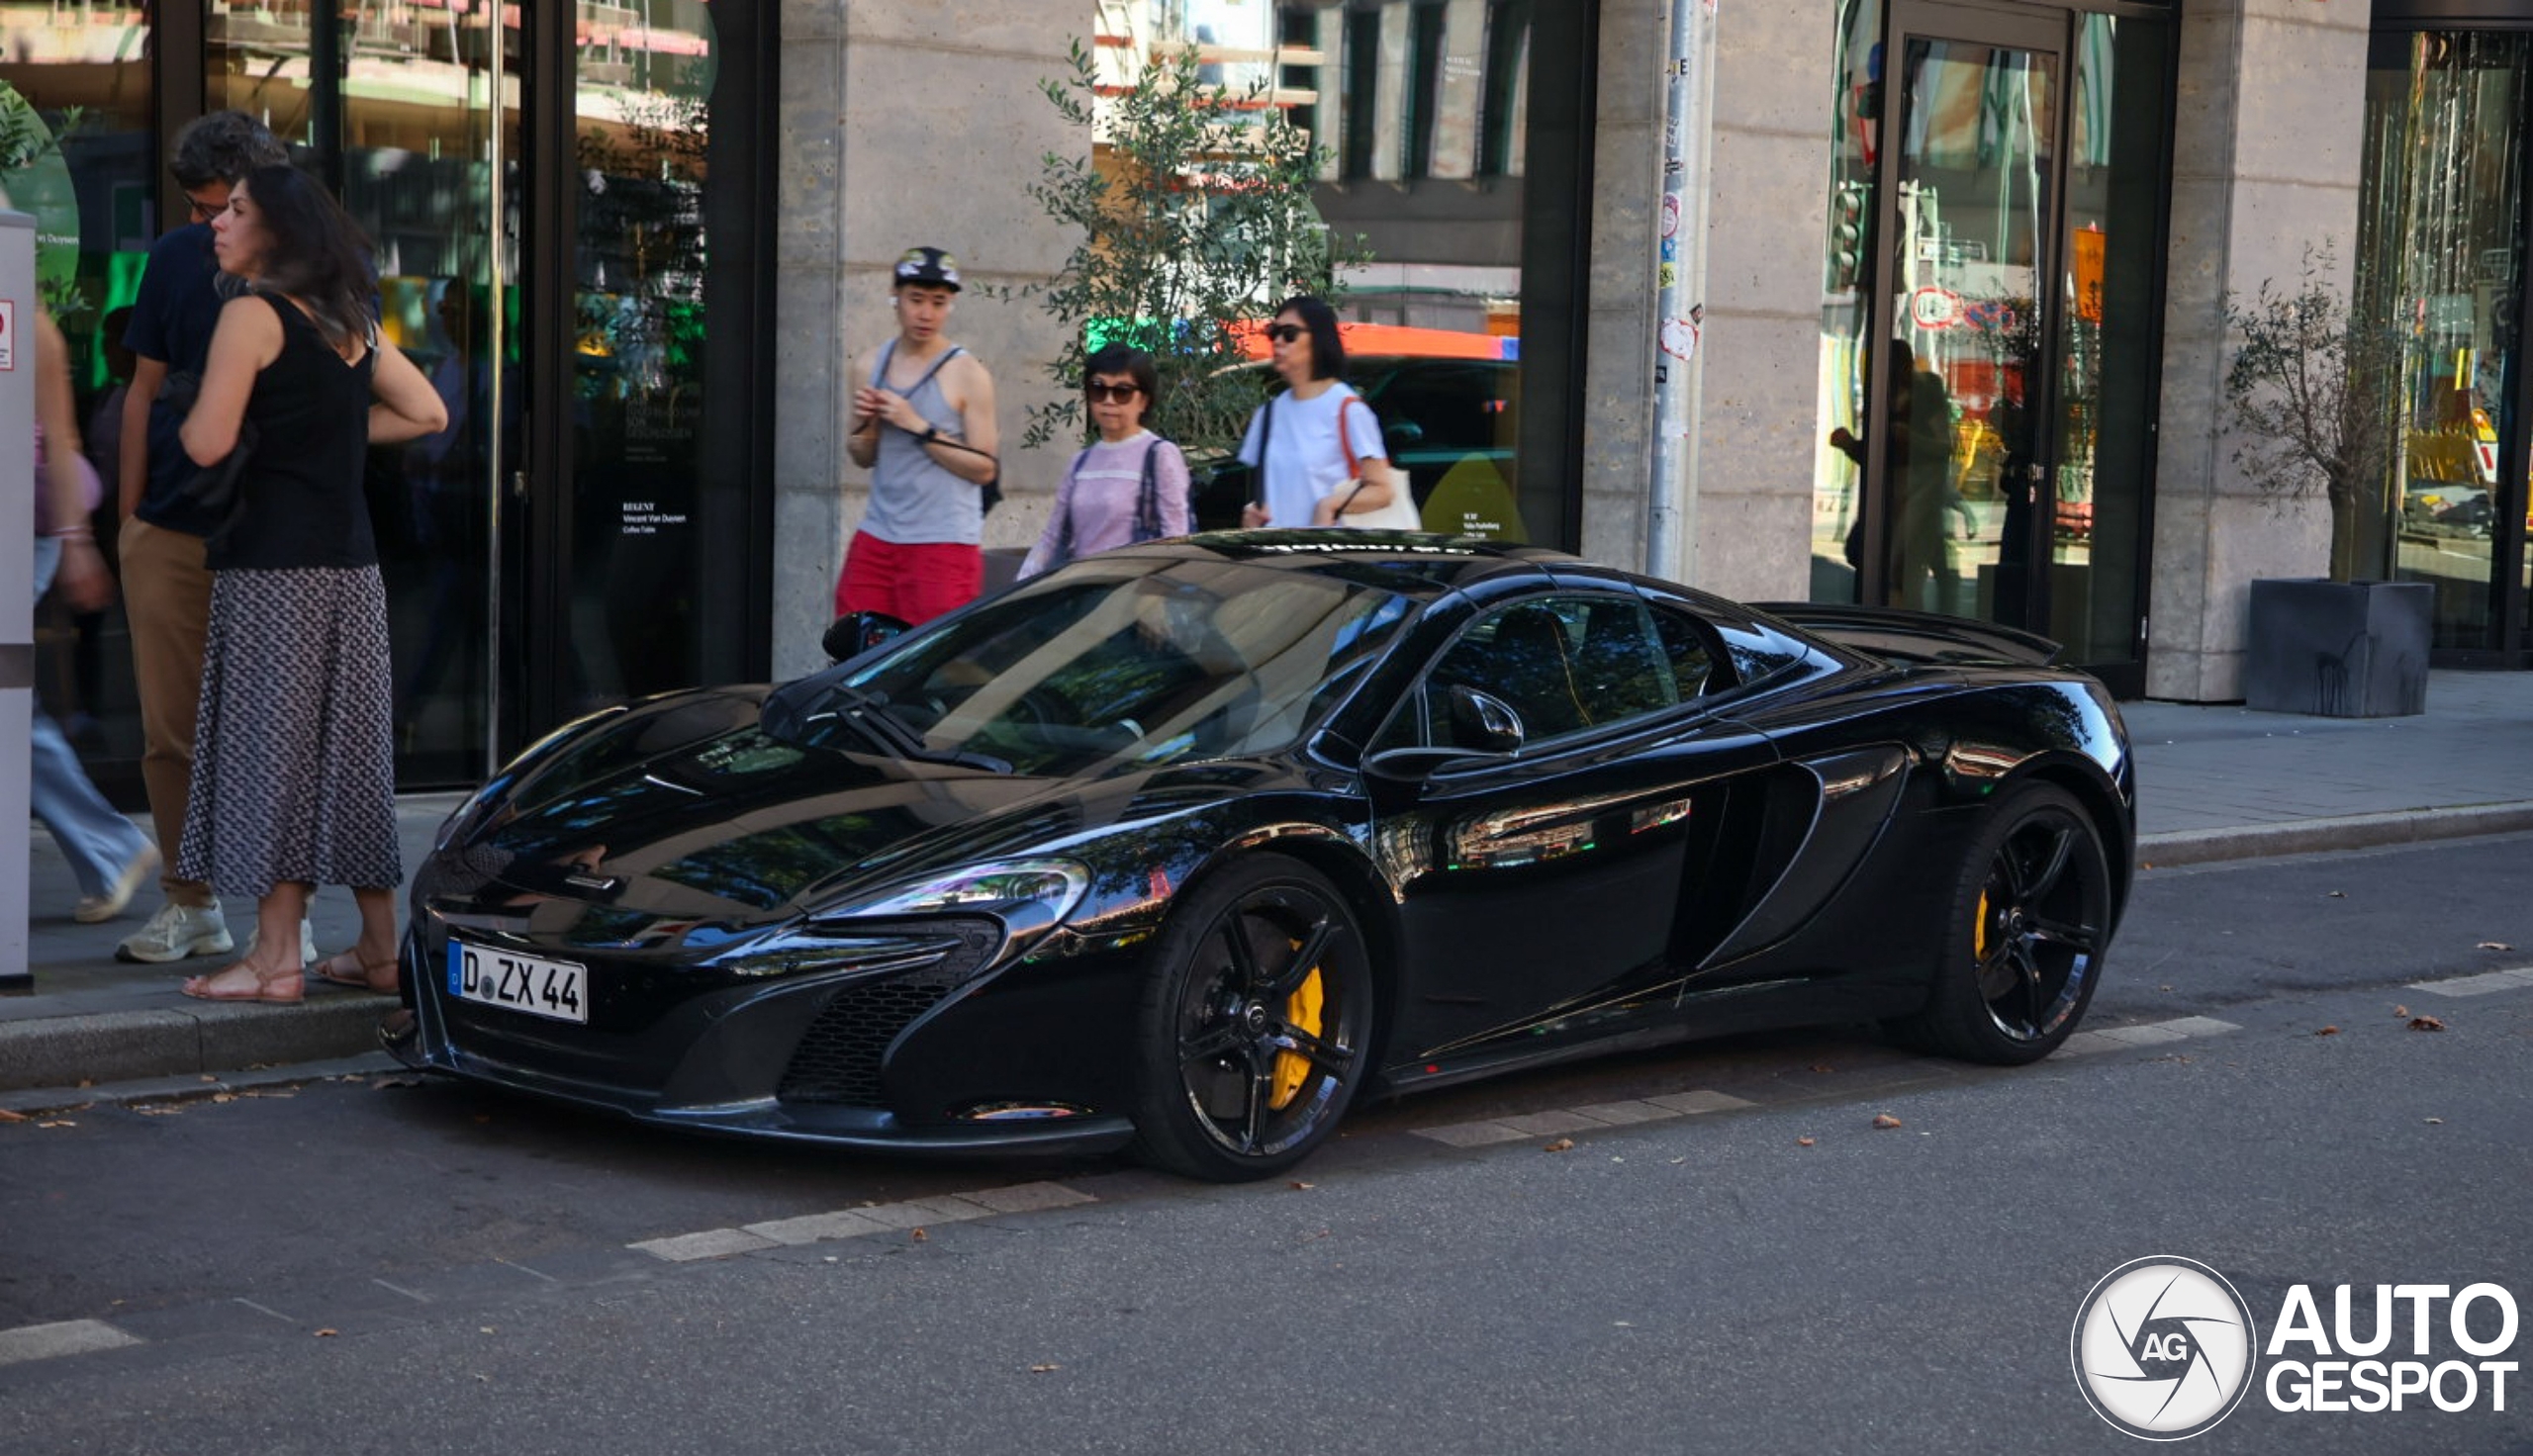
(1680, 275)
(17, 584)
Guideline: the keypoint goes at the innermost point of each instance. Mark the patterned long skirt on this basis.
(294, 772)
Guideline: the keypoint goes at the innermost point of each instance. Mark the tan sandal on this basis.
(345, 969)
(208, 987)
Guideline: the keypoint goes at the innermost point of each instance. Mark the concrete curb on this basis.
(2315, 836)
(60, 1051)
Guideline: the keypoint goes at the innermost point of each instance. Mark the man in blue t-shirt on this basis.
(166, 588)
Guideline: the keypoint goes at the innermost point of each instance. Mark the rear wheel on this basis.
(1256, 1023)
(2029, 921)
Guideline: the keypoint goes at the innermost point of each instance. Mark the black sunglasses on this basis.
(1284, 334)
(1111, 394)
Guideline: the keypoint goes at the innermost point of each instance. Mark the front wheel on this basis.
(2030, 923)
(1256, 1025)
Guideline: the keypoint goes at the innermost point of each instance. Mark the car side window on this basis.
(1564, 664)
(1686, 647)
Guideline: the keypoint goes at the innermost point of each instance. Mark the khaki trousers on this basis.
(166, 599)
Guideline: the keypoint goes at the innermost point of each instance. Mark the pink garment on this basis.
(1100, 494)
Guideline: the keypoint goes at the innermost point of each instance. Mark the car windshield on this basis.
(1111, 664)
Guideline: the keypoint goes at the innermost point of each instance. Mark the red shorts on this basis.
(912, 582)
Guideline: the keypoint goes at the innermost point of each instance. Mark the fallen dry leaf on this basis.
(208, 1077)
(1885, 1120)
(7, 1116)
(2436, 1121)
(59, 1122)
(2338, 895)
(1043, 1369)
(223, 1097)
(1559, 1145)
(918, 1235)
(1804, 1141)
(2483, 946)
(91, 1081)
(2328, 1032)
(327, 1334)
(2427, 1024)
(2400, 1011)
(1299, 1185)
(378, 1084)
(164, 1110)
(2145, 863)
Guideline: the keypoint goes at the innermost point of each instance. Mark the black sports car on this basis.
(1189, 845)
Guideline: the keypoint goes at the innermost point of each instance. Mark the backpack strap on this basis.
(1266, 448)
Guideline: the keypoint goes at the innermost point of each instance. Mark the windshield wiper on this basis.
(867, 711)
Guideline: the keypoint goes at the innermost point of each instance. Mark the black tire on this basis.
(2024, 937)
(1240, 1075)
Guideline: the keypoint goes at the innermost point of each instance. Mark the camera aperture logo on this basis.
(2163, 1347)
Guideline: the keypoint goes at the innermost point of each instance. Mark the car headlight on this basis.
(1027, 895)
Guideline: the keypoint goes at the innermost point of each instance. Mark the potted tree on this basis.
(2312, 394)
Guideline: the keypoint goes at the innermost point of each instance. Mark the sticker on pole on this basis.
(8, 333)
(1934, 308)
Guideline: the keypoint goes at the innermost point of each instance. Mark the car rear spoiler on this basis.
(1917, 636)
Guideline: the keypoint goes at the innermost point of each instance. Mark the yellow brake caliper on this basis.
(1979, 933)
(1301, 1010)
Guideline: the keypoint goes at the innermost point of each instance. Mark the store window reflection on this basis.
(76, 151)
(2442, 261)
(1422, 107)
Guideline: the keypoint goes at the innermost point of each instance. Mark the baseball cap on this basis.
(928, 265)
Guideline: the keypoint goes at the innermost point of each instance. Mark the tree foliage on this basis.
(2311, 391)
(1194, 223)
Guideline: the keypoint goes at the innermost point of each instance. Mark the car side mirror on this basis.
(857, 632)
(1485, 723)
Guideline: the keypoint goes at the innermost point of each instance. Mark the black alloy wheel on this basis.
(2030, 923)
(1256, 1023)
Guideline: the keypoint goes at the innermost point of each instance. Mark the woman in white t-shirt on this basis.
(1317, 447)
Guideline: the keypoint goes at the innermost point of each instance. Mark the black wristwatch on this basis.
(932, 435)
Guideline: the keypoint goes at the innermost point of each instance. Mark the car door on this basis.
(1538, 883)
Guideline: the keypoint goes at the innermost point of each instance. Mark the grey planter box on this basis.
(2338, 649)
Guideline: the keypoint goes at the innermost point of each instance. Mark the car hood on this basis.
(683, 809)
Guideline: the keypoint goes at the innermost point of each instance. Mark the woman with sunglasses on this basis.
(1317, 447)
(1130, 485)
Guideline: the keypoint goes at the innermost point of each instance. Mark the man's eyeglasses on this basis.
(1112, 393)
(1284, 334)
(204, 211)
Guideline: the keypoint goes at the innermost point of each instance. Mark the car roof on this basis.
(1410, 563)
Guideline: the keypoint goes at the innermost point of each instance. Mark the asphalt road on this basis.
(378, 1266)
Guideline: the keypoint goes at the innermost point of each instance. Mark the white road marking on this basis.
(69, 1337)
(2477, 985)
(887, 1218)
(1580, 1119)
(2149, 1033)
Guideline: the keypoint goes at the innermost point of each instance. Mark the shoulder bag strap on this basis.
(1148, 502)
(1063, 515)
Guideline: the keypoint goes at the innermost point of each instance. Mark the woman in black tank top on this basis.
(294, 752)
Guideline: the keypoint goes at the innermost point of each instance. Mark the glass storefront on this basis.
(2442, 264)
(1994, 246)
(1432, 112)
(540, 185)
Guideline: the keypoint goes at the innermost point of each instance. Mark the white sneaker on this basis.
(307, 945)
(176, 932)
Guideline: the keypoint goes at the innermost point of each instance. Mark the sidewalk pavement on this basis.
(2213, 783)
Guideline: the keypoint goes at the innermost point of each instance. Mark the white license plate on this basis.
(530, 983)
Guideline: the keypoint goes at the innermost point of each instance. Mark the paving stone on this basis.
(2087, 1043)
(2200, 1025)
(1701, 1101)
(1620, 1114)
(1027, 1198)
(1472, 1134)
(2141, 1035)
(2487, 983)
(812, 1228)
(1544, 1124)
(712, 1243)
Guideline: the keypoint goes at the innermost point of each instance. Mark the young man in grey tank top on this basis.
(924, 426)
